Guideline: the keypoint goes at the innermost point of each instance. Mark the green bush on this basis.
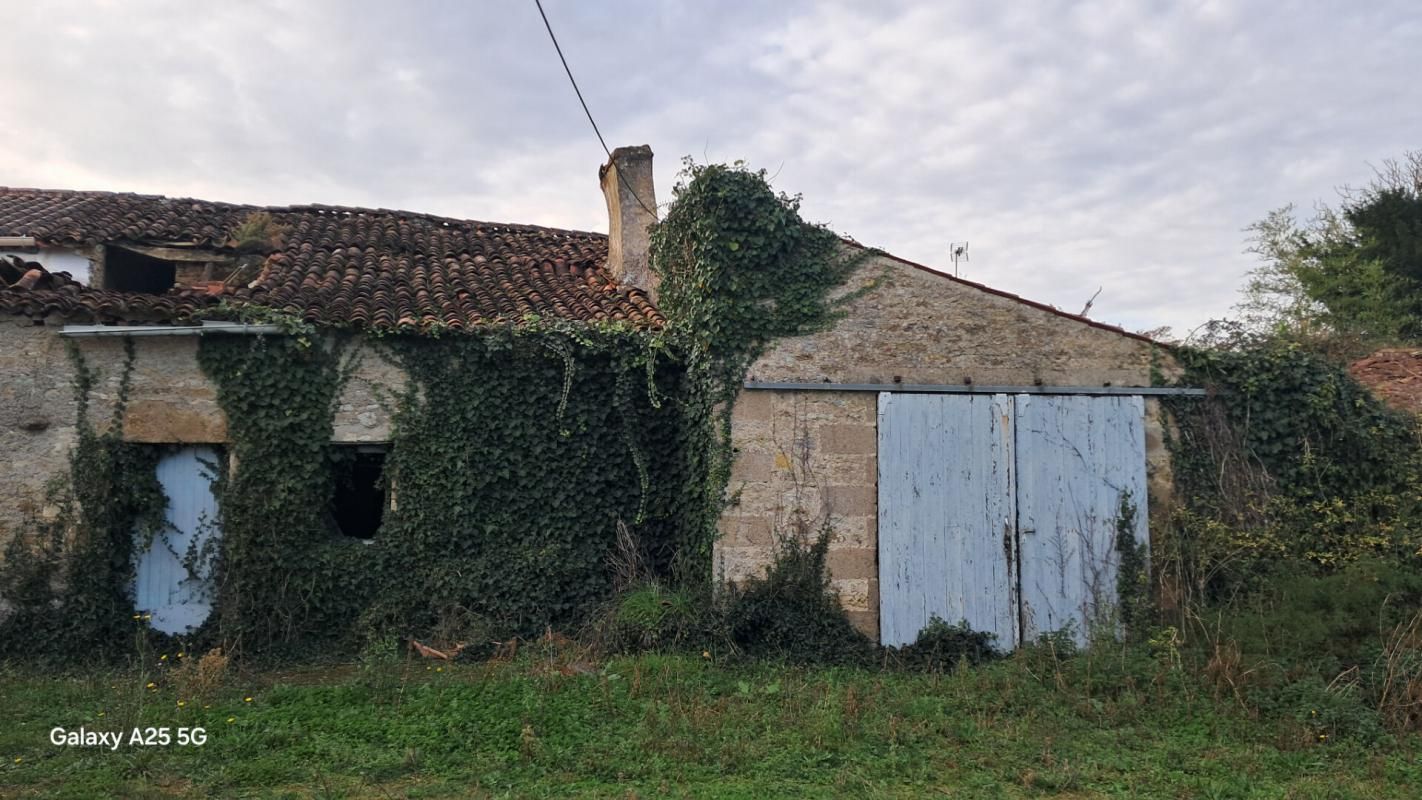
(941, 647)
(1289, 463)
(1331, 621)
(652, 616)
(791, 611)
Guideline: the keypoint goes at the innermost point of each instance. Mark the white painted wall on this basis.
(56, 259)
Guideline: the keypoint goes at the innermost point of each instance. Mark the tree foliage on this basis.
(1353, 272)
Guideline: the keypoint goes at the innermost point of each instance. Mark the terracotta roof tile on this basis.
(348, 267)
(1394, 375)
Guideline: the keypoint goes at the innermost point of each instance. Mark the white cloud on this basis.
(1115, 144)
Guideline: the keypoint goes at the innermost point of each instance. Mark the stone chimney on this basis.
(631, 207)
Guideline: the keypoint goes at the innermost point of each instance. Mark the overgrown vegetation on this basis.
(515, 459)
(1290, 567)
(259, 232)
(1135, 602)
(549, 723)
(739, 269)
(790, 612)
(279, 398)
(1349, 278)
(558, 477)
(1290, 465)
(517, 451)
(515, 455)
(942, 647)
(67, 573)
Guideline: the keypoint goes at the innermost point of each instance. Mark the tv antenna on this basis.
(958, 251)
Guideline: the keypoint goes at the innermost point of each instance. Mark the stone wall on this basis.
(921, 326)
(804, 458)
(171, 402)
(36, 418)
(816, 450)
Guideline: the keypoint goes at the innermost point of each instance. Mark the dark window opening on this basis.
(127, 271)
(358, 503)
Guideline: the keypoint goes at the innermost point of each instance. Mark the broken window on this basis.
(359, 501)
(129, 271)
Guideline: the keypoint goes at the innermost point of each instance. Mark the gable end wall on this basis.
(817, 451)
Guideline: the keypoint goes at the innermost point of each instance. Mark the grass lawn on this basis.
(680, 726)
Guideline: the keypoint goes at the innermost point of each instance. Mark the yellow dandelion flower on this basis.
(208, 705)
(138, 616)
(148, 616)
(163, 657)
(181, 704)
(101, 713)
(246, 699)
(180, 655)
(231, 720)
(18, 759)
(705, 653)
(151, 685)
(439, 669)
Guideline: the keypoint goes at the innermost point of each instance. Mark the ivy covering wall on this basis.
(517, 452)
(1289, 465)
(272, 575)
(66, 574)
(740, 269)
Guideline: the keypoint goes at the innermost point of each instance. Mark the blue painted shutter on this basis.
(163, 586)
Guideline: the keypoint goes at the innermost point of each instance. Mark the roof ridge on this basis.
(338, 266)
(299, 208)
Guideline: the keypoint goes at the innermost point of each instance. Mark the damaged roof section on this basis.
(37, 293)
(27, 275)
(358, 268)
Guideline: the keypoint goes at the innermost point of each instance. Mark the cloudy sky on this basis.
(1122, 145)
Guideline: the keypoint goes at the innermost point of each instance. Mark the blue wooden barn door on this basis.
(1001, 510)
(172, 579)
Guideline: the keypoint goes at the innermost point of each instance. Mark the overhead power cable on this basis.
(593, 122)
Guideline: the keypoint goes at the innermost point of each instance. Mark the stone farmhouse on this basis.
(972, 450)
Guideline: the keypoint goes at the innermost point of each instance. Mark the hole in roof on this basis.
(127, 271)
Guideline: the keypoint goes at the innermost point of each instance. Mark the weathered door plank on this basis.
(1077, 456)
(946, 514)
